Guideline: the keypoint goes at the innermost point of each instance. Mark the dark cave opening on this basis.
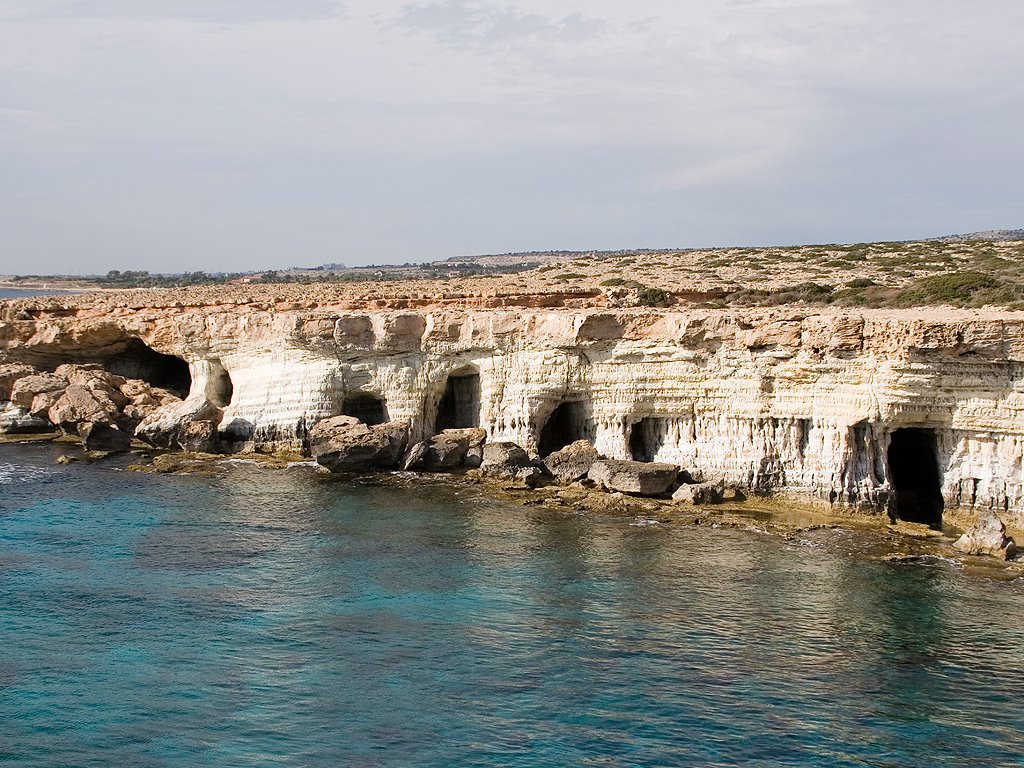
(646, 438)
(140, 361)
(367, 408)
(459, 407)
(914, 473)
(568, 423)
(219, 387)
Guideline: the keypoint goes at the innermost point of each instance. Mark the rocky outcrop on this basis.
(573, 462)
(634, 477)
(987, 537)
(345, 444)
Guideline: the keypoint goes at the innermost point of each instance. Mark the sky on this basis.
(234, 135)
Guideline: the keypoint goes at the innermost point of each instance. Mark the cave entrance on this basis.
(914, 473)
(367, 408)
(219, 388)
(646, 438)
(459, 407)
(568, 423)
(140, 361)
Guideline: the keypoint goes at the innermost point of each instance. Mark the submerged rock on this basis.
(345, 444)
(700, 493)
(573, 462)
(637, 477)
(987, 537)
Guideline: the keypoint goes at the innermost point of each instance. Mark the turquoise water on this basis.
(277, 617)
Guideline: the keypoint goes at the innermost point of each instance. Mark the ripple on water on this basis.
(267, 617)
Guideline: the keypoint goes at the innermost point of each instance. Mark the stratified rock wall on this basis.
(772, 399)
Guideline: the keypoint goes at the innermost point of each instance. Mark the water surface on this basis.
(277, 617)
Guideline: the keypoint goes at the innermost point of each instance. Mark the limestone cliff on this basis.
(785, 399)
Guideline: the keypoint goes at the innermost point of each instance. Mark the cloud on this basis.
(218, 11)
(468, 24)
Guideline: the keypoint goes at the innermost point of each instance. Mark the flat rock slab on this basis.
(637, 477)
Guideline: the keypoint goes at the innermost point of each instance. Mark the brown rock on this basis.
(10, 373)
(345, 444)
(25, 389)
(573, 462)
(81, 404)
(199, 437)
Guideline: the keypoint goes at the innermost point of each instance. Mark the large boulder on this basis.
(165, 425)
(199, 437)
(10, 373)
(700, 493)
(18, 421)
(345, 444)
(447, 449)
(81, 404)
(505, 459)
(987, 537)
(640, 478)
(573, 462)
(103, 437)
(25, 389)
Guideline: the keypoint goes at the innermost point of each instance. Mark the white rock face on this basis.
(773, 398)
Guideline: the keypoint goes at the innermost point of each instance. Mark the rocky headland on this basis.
(916, 414)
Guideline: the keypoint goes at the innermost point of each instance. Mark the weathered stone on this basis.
(345, 444)
(199, 437)
(448, 448)
(43, 402)
(474, 457)
(80, 404)
(987, 537)
(637, 477)
(10, 373)
(573, 462)
(504, 460)
(414, 457)
(18, 421)
(162, 427)
(25, 389)
(103, 437)
(700, 493)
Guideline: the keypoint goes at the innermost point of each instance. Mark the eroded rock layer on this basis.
(844, 406)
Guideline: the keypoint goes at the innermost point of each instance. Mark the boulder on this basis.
(700, 493)
(199, 437)
(447, 449)
(414, 458)
(504, 459)
(97, 436)
(18, 421)
(345, 444)
(640, 478)
(25, 389)
(10, 373)
(573, 462)
(162, 427)
(81, 404)
(987, 537)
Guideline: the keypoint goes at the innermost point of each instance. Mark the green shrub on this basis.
(653, 297)
(956, 288)
(613, 281)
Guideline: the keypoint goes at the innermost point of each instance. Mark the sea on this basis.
(27, 293)
(281, 617)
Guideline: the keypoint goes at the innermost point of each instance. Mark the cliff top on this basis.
(929, 273)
